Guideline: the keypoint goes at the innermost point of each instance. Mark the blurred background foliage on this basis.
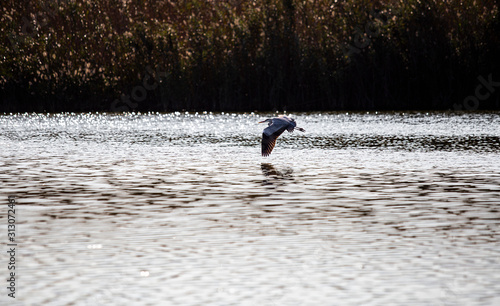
(245, 55)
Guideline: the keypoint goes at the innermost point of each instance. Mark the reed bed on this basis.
(137, 55)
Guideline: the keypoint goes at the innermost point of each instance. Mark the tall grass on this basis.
(81, 55)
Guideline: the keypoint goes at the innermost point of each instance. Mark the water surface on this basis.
(181, 209)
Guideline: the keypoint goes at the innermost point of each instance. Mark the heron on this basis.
(275, 128)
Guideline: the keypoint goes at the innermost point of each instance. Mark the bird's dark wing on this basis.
(269, 141)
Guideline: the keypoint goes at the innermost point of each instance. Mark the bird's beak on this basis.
(262, 121)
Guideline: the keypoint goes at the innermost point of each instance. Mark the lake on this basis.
(181, 209)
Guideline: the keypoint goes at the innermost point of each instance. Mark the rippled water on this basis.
(181, 209)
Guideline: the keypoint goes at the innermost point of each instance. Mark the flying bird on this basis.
(276, 127)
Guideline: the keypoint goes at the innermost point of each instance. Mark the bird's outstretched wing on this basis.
(270, 134)
(268, 143)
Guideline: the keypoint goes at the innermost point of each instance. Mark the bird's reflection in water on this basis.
(274, 176)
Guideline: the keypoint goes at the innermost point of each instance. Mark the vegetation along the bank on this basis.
(243, 55)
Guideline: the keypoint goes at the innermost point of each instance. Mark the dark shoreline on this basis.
(275, 55)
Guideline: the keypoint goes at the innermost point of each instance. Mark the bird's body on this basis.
(276, 127)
